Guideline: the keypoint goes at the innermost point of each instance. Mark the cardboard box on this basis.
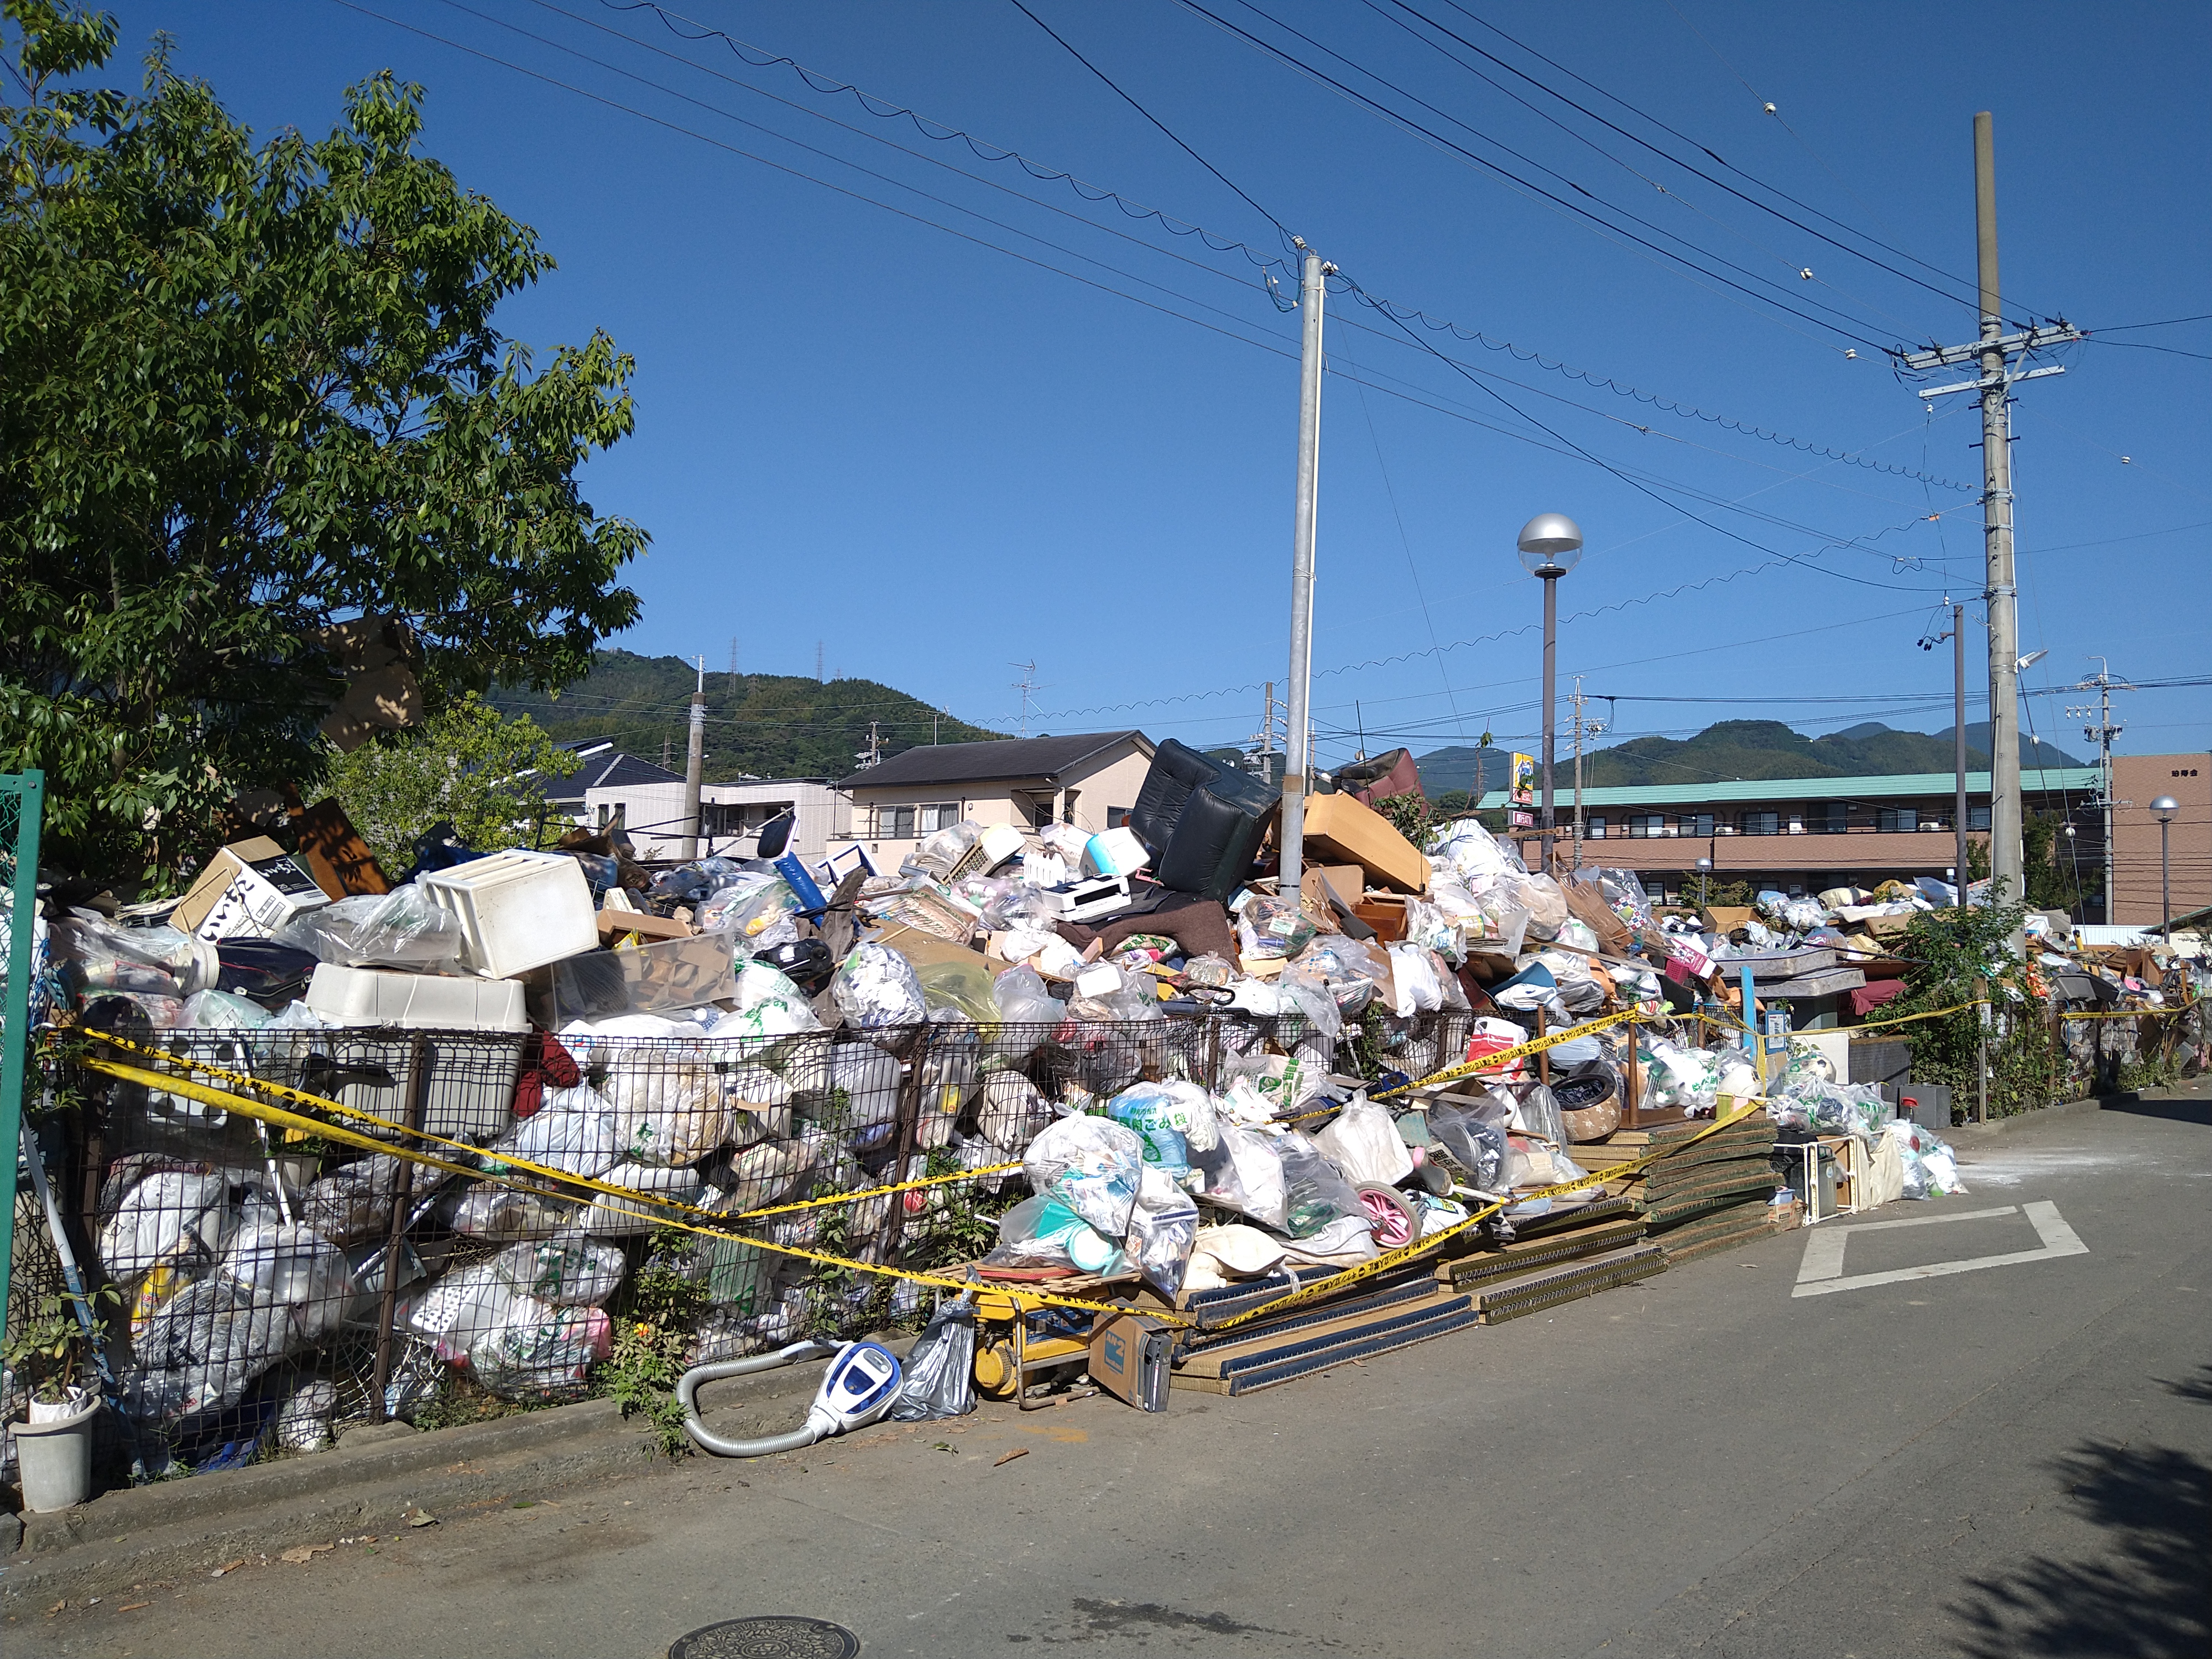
(1342, 830)
(1385, 914)
(1347, 882)
(613, 924)
(1129, 1359)
(335, 854)
(1724, 919)
(248, 890)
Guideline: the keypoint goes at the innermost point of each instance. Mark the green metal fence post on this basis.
(28, 792)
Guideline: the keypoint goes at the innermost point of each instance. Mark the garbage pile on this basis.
(1169, 1083)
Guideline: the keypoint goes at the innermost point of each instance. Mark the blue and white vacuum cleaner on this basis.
(858, 1388)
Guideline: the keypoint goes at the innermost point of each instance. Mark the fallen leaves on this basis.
(420, 1519)
(227, 1567)
(133, 1607)
(301, 1554)
(1018, 1451)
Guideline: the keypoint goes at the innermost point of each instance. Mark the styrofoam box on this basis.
(517, 911)
(417, 1002)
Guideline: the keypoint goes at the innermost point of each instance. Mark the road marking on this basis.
(1822, 1269)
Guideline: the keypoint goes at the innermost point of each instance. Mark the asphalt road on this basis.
(2011, 1460)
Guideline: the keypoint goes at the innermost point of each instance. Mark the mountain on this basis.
(1756, 749)
(769, 726)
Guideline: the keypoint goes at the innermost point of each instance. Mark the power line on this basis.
(1560, 202)
(1281, 229)
(983, 149)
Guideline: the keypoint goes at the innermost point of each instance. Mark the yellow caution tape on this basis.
(1506, 1057)
(1406, 1252)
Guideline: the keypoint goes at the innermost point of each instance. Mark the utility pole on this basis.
(1583, 728)
(2102, 733)
(1957, 635)
(1995, 353)
(1264, 740)
(695, 762)
(1298, 759)
(817, 662)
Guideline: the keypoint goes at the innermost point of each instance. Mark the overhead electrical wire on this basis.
(983, 149)
(1437, 139)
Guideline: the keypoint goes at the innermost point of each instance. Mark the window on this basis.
(602, 815)
(895, 823)
(1595, 829)
(1646, 825)
(1762, 823)
(943, 815)
(1826, 817)
(1698, 824)
(1977, 817)
(910, 822)
(1117, 818)
(1890, 820)
(740, 820)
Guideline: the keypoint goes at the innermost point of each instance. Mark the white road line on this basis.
(1822, 1269)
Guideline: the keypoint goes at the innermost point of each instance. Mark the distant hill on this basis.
(1768, 749)
(771, 726)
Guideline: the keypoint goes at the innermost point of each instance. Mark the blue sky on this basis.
(939, 461)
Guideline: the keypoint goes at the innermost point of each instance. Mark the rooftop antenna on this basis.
(1025, 685)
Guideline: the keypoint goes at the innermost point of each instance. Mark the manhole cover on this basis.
(779, 1636)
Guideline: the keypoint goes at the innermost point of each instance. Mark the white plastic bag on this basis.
(569, 1271)
(1363, 1142)
(1092, 1165)
(1163, 1223)
(876, 988)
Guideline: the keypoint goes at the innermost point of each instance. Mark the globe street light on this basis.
(2163, 810)
(1705, 874)
(1551, 545)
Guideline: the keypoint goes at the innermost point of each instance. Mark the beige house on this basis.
(1090, 781)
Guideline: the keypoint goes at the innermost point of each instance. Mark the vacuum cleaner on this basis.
(861, 1384)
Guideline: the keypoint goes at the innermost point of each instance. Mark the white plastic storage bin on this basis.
(419, 1002)
(517, 911)
(469, 1094)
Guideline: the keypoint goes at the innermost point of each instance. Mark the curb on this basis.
(180, 1528)
(2188, 1089)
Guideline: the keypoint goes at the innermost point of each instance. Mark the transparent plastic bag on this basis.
(1090, 1165)
(1023, 1002)
(1012, 1110)
(666, 1113)
(1421, 990)
(1537, 1113)
(567, 1271)
(1363, 1141)
(1168, 1117)
(937, 1374)
(965, 987)
(1314, 1192)
(1475, 1140)
(1042, 1231)
(1270, 929)
(540, 1351)
(398, 929)
(1162, 1226)
(876, 988)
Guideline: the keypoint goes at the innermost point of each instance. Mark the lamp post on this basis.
(1704, 877)
(1551, 545)
(2163, 809)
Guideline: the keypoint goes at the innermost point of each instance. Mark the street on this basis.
(2005, 1459)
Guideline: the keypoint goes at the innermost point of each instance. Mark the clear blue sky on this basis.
(940, 461)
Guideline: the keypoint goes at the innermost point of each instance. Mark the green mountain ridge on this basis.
(769, 726)
(1747, 750)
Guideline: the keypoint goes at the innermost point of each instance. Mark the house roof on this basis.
(1003, 758)
(605, 767)
(2034, 780)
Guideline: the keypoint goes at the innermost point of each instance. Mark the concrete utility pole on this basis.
(2102, 733)
(1298, 757)
(1957, 635)
(1995, 352)
(695, 763)
(1582, 729)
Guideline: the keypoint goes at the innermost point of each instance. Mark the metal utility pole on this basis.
(1026, 684)
(695, 763)
(1995, 353)
(2102, 733)
(1298, 757)
(1582, 729)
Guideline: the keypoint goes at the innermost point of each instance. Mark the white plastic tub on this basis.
(517, 911)
(418, 1002)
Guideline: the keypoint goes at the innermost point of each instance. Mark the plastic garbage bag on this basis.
(540, 1351)
(1163, 1223)
(1170, 1117)
(1363, 1143)
(1419, 990)
(1474, 1138)
(771, 1171)
(486, 1211)
(567, 1271)
(1314, 1192)
(666, 1112)
(353, 1202)
(1269, 929)
(1025, 1004)
(573, 1132)
(964, 987)
(1472, 853)
(876, 989)
(646, 1188)
(1012, 1110)
(1043, 1231)
(176, 1217)
(1536, 1112)
(937, 1376)
(398, 929)
(1253, 1183)
(1104, 991)
(1090, 1165)
(767, 1005)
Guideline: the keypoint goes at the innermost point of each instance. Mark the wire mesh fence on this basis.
(276, 1281)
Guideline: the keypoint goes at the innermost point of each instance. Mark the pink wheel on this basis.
(1392, 1218)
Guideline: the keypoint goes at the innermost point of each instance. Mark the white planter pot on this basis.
(54, 1459)
(59, 1410)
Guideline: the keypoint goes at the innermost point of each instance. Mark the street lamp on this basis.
(1705, 876)
(2163, 810)
(1551, 545)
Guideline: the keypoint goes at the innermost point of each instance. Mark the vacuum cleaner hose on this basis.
(687, 1396)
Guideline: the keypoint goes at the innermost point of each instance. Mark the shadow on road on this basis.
(2174, 1111)
(2145, 1597)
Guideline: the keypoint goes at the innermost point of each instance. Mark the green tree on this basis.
(248, 391)
(469, 766)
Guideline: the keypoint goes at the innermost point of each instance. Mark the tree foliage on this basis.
(469, 767)
(247, 392)
(1964, 955)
